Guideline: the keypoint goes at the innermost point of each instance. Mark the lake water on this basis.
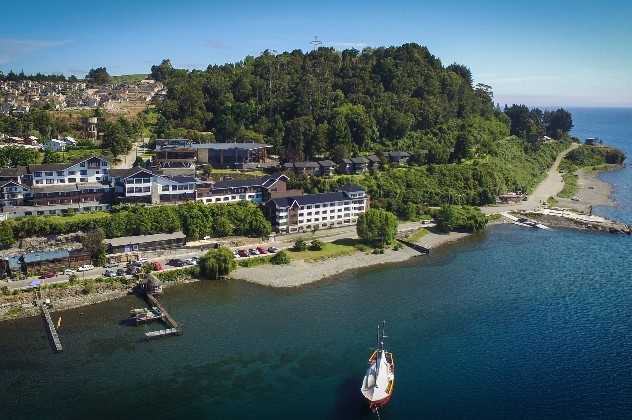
(511, 323)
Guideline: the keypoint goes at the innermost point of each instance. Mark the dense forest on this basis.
(335, 104)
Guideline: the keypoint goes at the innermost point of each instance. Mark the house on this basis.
(305, 168)
(360, 164)
(92, 169)
(345, 166)
(375, 163)
(317, 211)
(155, 242)
(326, 167)
(58, 194)
(249, 189)
(18, 174)
(231, 155)
(54, 145)
(140, 185)
(398, 157)
(12, 193)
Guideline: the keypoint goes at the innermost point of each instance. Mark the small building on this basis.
(43, 261)
(18, 174)
(54, 145)
(13, 193)
(140, 185)
(256, 189)
(327, 167)
(375, 163)
(150, 284)
(360, 164)
(158, 241)
(303, 168)
(345, 166)
(231, 155)
(398, 157)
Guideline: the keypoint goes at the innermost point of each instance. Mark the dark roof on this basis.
(13, 172)
(32, 257)
(4, 184)
(351, 188)
(398, 154)
(69, 187)
(61, 166)
(359, 159)
(124, 173)
(347, 161)
(229, 146)
(374, 158)
(262, 181)
(142, 239)
(310, 199)
(326, 163)
(306, 164)
(288, 165)
(181, 179)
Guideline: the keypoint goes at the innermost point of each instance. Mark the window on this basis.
(61, 181)
(72, 180)
(38, 174)
(130, 189)
(104, 163)
(49, 173)
(83, 179)
(226, 198)
(82, 164)
(146, 189)
(50, 181)
(83, 172)
(218, 199)
(138, 189)
(165, 187)
(39, 181)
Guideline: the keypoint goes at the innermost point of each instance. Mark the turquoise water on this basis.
(511, 323)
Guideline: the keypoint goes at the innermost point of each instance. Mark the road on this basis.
(549, 187)
(281, 242)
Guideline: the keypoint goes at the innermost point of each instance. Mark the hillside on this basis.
(335, 104)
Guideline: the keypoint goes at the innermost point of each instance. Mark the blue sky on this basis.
(536, 52)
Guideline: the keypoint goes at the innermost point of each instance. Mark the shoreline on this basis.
(591, 190)
(300, 273)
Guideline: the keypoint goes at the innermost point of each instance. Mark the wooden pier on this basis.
(52, 331)
(162, 333)
(166, 318)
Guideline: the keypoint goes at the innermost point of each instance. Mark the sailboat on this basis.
(378, 383)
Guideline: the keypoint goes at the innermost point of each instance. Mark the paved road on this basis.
(549, 187)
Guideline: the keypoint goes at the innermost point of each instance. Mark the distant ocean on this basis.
(511, 323)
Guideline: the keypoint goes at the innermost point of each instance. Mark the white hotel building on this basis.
(318, 211)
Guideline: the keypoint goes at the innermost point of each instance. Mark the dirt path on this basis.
(549, 187)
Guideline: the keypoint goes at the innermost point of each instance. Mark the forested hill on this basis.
(336, 104)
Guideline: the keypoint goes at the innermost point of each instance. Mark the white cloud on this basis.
(10, 49)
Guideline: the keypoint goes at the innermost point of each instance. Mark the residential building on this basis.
(249, 189)
(38, 262)
(303, 168)
(345, 166)
(92, 169)
(18, 174)
(13, 193)
(375, 163)
(140, 185)
(398, 157)
(317, 211)
(360, 164)
(54, 145)
(231, 155)
(327, 167)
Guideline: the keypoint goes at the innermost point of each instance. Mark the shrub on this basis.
(300, 245)
(467, 218)
(316, 245)
(88, 287)
(377, 226)
(280, 258)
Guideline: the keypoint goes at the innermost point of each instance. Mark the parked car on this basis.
(206, 238)
(109, 273)
(175, 262)
(69, 271)
(157, 266)
(253, 251)
(142, 260)
(190, 261)
(243, 253)
(273, 249)
(47, 275)
(110, 265)
(133, 270)
(261, 250)
(236, 253)
(86, 267)
(120, 272)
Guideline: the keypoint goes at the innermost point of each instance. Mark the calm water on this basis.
(512, 323)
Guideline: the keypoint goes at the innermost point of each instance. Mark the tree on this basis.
(467, 218)
(98, 76)
(6, 235)
(559, 123)
(377, 226)
(462, 71)
(217, 263)
(93, 243)
(316, 245)
(163, 71)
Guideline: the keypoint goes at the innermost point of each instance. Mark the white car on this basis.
(69, 271)
(86, 267)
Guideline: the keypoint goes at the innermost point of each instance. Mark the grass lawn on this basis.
(334, 249)
(570, 185)
(414, 237)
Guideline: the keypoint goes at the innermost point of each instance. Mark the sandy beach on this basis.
(299, 273)
(591, 191)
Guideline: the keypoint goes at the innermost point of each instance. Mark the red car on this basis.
(261, 250)
(242, 253)
(47, 275)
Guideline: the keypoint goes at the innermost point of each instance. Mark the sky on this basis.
(541, 53)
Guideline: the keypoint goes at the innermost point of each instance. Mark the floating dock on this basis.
(162, 333)
(52, 331)
(166, 318)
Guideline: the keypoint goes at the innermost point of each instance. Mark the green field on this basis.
(129, 78)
